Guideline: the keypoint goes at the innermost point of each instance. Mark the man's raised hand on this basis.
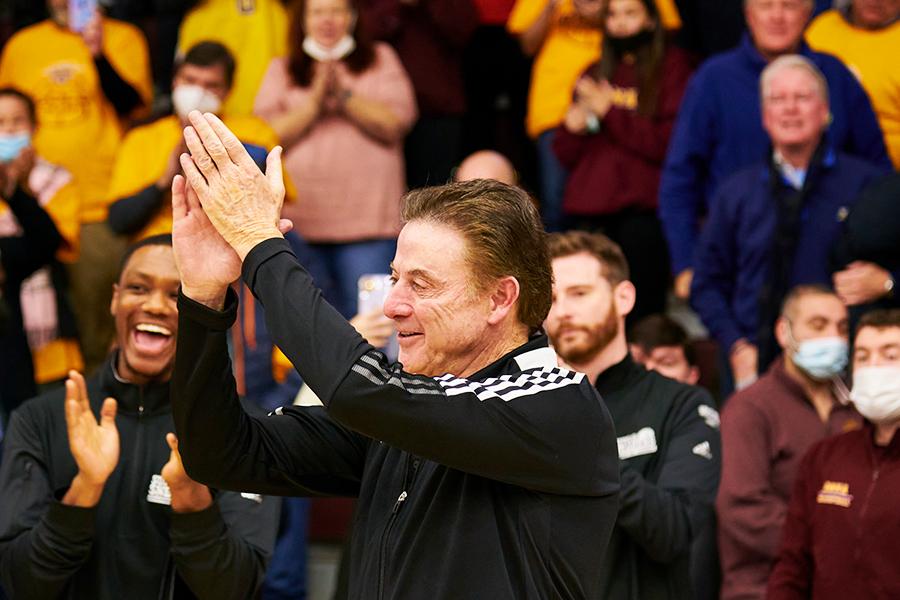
(242, 203)
(94, 446)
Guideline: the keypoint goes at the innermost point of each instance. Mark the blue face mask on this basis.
(12, 145)
(821, 358)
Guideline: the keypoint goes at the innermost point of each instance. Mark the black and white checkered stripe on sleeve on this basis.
(510, 387)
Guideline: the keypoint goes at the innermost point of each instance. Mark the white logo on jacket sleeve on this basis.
(252, 497)
(703, 449)
(709, 415)
(158, 492)
(638, 443)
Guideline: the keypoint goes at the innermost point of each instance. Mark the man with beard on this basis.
(668, 431)
(94, 499)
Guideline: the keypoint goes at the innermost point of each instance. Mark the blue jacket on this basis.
(732, 261)
(719, 131)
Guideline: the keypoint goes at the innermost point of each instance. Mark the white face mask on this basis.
(876, 393)
(186, 98)
(343, 48)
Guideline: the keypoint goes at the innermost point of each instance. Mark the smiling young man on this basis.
(90, 509)
(483, 470)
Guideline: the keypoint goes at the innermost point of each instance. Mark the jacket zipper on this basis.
(412, 465)
(863, 510)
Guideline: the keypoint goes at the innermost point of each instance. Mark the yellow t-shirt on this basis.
(868, 55)
(78, 127)
(145, 151)
(255, 31)
(570, 47)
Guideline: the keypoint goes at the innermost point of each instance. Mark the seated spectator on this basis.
(76, 521)
(148, 159)
(769, 426)
(869, 250)
(486, 164)
(772, 226)
(429, 37)
(341, 107)
(668, 432)
(614, 139)
(718, 131)
(840, 535)
(29, 239)
(861, 35)
(564, 36)
(86, 85)
(255, 31)
(662, 345)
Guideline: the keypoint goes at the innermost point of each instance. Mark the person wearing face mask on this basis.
(614, 139)
(840, 538)
(341, 106)
(88, 81)
(148, 158)
(766, 429)
(38, 232)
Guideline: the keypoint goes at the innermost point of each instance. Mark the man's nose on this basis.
(157, 302)
(397, 305)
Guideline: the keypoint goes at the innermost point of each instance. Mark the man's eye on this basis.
(136, 288)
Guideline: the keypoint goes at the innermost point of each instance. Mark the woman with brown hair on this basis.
(341, 107)
(615, 137)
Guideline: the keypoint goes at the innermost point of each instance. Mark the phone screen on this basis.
(80, 13)
(373, 291)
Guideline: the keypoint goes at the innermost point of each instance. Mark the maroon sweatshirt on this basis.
(766, 430)
(841, 538)
(619, 167)
(429, 36)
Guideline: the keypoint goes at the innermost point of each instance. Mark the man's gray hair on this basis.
(791, 61)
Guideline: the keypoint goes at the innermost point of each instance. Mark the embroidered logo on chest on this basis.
(835, 493)
(639, 443)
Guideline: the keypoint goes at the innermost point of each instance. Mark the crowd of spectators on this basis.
(732, 158)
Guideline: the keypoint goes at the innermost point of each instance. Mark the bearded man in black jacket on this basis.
(94, 500)
(668, 432)
(482, 468)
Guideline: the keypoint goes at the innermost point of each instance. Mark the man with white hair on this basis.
(717, 131)
(772, 225)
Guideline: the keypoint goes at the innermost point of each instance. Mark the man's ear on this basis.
(693, 376)
(624, 296)
(504, 299)
(783, 333)
(114, 303)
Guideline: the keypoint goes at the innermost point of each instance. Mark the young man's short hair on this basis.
(162, 239)
(656, 331)
(614, 265)
(880, 318)
(210, 54)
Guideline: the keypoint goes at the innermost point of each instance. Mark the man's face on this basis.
(211, 78)
(877, 347)
(583, 319)
(669, 361)
(146, 315)
(794, 111)
(875, 14)
(441, 317)
(813, 316)
(14, 118)
(777, 25)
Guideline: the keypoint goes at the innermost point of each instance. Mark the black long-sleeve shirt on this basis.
(670, 452)
(502, 485)
(119, 92)
(127, 545)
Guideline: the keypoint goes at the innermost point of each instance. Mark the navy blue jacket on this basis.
(733, 256)
(719, 131)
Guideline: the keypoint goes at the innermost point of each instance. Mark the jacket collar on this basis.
(535, 353)
(795, 389)
(756, 60)
(618, 376)
(153, 397)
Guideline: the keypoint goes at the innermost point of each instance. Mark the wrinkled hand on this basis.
(95, 446)
(374, 327)
(187, 495)
(93, 35)
(242, 203)
(596, 96)
(860, 283)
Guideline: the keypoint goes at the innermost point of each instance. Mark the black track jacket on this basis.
(500, 486)
(127, 546)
